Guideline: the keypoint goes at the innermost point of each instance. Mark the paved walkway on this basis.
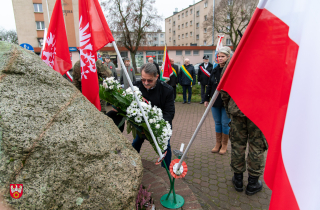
(209, 175)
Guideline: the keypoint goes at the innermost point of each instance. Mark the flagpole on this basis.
(48, 12)
(213, 99)
(136, 97)
(45, 31)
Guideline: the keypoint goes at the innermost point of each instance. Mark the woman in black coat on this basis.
(219, 114)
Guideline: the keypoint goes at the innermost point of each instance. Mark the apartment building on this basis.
(185, 28)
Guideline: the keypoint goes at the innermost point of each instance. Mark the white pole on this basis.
(48, 12)
(136, 97)
(214, 97)
(213, 25)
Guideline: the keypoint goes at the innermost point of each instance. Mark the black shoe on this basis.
(254, 185)
(201, 102)
(184, 102)
(189, 102)
(237, 181)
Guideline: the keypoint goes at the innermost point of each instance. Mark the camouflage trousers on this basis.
(242, 132)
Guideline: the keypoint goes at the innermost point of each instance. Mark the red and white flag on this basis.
(274, 79)
(94, 33)
(56, 52)
(166, 69)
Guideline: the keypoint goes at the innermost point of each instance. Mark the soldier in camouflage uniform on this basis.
(111, 66)
(242, 132)
(103, 72)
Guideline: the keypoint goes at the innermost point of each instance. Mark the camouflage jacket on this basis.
(228, 103)
(102, 70)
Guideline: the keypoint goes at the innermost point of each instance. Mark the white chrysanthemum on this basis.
(105, 85)
(124, 94)
(134, 112)
(111, 86)
(138, 119)
(134, 104)
(157, 126)
(118, 86)
(150, 120)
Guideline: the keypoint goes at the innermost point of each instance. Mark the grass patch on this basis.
(196, 93)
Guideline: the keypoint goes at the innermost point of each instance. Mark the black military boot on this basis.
(254, 185)
(237, 181)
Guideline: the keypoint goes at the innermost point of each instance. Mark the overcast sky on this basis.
(164, 7)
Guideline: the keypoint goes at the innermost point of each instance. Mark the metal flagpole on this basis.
(213, 99)
(136, 97)
(213, 25)
(45, 31)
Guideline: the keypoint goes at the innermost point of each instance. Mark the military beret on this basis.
(206, 57)
(107, 57)
(126, 59)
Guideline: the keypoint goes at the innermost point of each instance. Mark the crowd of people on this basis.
(230, 122)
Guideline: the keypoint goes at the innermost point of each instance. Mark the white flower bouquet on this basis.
(127, 106)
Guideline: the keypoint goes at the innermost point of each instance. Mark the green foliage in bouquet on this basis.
(127, 107)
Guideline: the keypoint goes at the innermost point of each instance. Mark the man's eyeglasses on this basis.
(147, 80)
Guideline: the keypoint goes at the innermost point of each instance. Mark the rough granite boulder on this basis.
(66, 153)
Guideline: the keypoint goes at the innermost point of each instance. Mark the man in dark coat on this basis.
(150, 60)
(204, 72)
(187, 78)
(160, 94)
(174, 79)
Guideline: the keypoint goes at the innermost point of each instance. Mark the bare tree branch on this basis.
(8, 36)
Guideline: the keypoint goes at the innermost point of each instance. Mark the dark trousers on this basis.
(116, 119)
(137, 143)
(203, 92)
(174, 92)
(185, 88)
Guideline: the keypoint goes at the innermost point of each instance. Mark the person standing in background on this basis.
(111, 66)
(204, 72)
(131, 72)
(187, 79)
(174, 79)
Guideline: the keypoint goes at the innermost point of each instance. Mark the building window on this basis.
(187, 44)
(206, 4)
(190, 11)
(174, 32)
(187, 52)
(170, 30)
(149, 35)
(40, 25)
(196, 52)
(228, 28)
(179, 37)
(182, 25)
(228, 16)
(162, 42)
(186, 24)
(198, 13)
(169, 21)
(186, 13)
(186, 35)
(205, 17)
(182, 15)
(155, 39)
(204, 42)
(190, 33)
(144, 42)
(182, 36)
(40, 42)
(182, 45)
(150, 43)
(197, 25)
(170, 39)
(174, 42)
(155, 34)
(230, 2)
(191, 23)
(179, 52)
(197, 37)
(37, 7)
(178, 27)
(228, 42)
(162, 35)
(178, 17)
(174, 23)
(205, 30)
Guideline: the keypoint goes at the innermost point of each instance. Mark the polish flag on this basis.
(94, 33)
(56, 52)
(219, 45)
(274, 79)
(166, 69)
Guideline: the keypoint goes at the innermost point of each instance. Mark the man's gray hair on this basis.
(149, 68)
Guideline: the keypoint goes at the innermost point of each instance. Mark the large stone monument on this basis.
(66, 153)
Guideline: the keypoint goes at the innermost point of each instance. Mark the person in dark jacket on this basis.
(160, 94)
(204, 72)
(174, 79)
(219, 114)
(187, 78)
(150, 60)
(111, 66)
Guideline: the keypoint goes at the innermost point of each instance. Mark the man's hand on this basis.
(206, 103)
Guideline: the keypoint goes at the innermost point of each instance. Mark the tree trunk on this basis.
(133, 59)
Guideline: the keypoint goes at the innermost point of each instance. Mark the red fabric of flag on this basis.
(56, 52)
(259, 79)
(94, 33)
